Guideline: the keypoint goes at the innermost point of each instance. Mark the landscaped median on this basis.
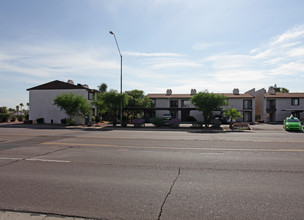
(195, 127)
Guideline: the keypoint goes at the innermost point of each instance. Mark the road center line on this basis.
(174, 148)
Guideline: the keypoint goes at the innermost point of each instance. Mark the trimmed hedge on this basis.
(4, 117)
(157, 122)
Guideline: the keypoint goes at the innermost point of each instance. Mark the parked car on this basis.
(292, 123)
(166, 118)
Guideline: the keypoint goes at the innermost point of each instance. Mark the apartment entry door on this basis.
(185, 114)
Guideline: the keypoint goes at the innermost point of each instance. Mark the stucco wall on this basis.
(41, 104)
(162, 103)
(235, 103)
(285, 103)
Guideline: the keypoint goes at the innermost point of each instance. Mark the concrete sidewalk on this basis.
(10, 215)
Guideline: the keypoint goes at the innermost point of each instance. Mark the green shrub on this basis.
(97, 118)
(216, 123)
(70, 121)
(13, 117)
(40, 120)
(92, 119)
(191, 119)
(63, 121)
(157, 122)
(3, 110)
(4, 117)
(20, 117)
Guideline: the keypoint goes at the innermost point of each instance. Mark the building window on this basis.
(186, 103)
(153, 102)
(173, 103)
(295, 101)
(91, 95)
(247, 104)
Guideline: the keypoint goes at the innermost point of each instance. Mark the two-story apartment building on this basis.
(41, 99)
(180, 106)
(275, 107)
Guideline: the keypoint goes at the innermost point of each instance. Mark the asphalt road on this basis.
(153, 174)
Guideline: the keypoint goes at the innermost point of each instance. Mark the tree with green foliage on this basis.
(103, 88)
(207, 103)
(233, 114)
(3, 109)
(279, 89)
(110, 102)
(73, 105)
(137, 99)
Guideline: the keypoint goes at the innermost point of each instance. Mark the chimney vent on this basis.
(169, 92)
(236, 91)
(193, 91)
(271, 91)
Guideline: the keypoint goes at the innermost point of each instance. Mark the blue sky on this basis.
(202, 44)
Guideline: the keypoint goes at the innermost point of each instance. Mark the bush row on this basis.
(159, 122)
(6, 117)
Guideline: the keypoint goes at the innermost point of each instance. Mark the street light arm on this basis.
(111, 32)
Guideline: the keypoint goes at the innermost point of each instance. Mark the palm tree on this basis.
(233, 114)
(21, 105)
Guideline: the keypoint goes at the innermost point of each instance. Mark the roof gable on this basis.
(56, 84)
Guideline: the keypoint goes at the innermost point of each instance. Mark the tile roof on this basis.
(188, 96)
(285, 95)
(56, 84)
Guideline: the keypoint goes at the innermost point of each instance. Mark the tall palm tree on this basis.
(21, 105)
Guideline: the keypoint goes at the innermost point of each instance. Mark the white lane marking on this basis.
(46, 160)
(35, 159)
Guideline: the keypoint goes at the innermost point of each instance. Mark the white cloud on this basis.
(290, 35)
(141, 54)
(208, 45)
(296, 52)
(53, 61)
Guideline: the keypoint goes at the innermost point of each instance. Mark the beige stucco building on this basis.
(41, 99)
(275, 107)
(180, 106)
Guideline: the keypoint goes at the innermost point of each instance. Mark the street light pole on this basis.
(111, 32)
